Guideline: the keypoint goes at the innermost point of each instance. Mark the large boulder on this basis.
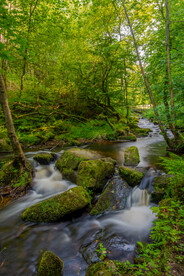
(71, 158)
(94, 174)
(50, 265)
(132, 177)
(114, 197)
(44, 158)
(68, 163)
(131, 156)
(57, 207)
(107, 268)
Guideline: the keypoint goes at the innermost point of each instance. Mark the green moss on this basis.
(142, 132)
(131, 156)
(50, 265)
(131, 176)
(11, 175)
(160, 184)
(104, 201)
(107, 268)
(68, 161)
(44, 158)
(57, 207)
(94, 173)
(70, 175)
(4, 146)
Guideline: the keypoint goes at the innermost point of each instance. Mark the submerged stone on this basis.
(57, 207)
(131, 156)
(114, 197)
(132, 177)
(94, 173)
(44, 158)
(114, 247)
(50, 265)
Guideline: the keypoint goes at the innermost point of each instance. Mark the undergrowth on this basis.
(166, 250)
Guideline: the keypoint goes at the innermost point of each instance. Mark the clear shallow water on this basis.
(22, 243)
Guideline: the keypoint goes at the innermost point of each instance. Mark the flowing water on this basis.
(21, 243)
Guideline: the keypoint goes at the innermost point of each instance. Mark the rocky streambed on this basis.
(84, 208)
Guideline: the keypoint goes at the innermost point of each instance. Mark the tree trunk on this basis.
(17, 150)
(32, 9)
(169, 69)
(163, 130)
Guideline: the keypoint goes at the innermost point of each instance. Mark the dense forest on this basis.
(74, 73)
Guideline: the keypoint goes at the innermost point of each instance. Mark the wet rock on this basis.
(44, 158)
(131, 156)
(57, 207)
(50, 265)
(115, 247)
(114, 197)
(94, 173)
(160, 185)
(132, 177)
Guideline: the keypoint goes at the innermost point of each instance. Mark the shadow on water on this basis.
(73, 241)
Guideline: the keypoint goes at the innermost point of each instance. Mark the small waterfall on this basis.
(140, 196)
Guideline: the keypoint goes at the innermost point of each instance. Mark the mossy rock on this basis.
(10, 175)
(70, 175)
(71, 158)
(141, 132)
(4, 146)
(129, 137)
(50, 265)
(131, 156)
(107, 268)
(114, 197)
(94, 173)
(160, 184)
(44, 158)
(132, 177)
(57, 207)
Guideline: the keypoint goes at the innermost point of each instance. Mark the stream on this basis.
(74, 241)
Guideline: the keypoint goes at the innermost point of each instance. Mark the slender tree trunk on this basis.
(31, 12)
(169, 68)
(17, 150)
(126, 90)
(163, 130)
(166, 102)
